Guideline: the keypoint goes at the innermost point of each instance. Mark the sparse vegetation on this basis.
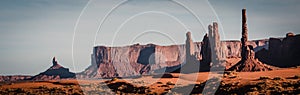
(297, 76)
(159, 82)
(278, 78)
(114, 79)
(230, 74)
(264, 78)
(170, 83)
(288, 84)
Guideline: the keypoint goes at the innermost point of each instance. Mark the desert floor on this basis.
(268, 82)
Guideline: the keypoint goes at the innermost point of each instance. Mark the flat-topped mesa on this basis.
(284, 52)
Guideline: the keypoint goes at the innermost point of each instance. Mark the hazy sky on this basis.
(33, 31)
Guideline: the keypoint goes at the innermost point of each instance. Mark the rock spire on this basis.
(54, 61)
(248, 63)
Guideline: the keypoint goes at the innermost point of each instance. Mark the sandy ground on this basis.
(154, 84)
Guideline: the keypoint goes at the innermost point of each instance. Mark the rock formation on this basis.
(248, 62)
(282, 52)
(217, 54)
(245, 52)
(191, 57)
(56, 71)
(190, 47)
(205, 50)
(192, 62)
(54, 62)
(212, 49)
(217, 51)
(166, 58)
(134, 60)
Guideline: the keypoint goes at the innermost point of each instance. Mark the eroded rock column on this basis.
(54, 62)
(215, 43)
(248, 63)
(244, 38)
(190, 49)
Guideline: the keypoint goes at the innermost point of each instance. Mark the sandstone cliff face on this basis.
(136, 60)
(133, 60)
(283, 52)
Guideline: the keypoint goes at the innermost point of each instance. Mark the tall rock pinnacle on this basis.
(248, 62)
(215, 43)
(244, 38)
(54, 72)
(190, 49)
(191, 59)
(54, 61)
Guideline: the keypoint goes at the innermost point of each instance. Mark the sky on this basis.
(34, 31)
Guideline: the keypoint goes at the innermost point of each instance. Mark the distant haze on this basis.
(33, 31)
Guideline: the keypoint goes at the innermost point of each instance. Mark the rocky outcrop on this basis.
(217, 51)
(213, 51)
(133, 59)
(191, 63)
(205, 50)
(136, 60)
(248, 62)
(55, 72)
(191, 56)
(283, 52)
(246, 53)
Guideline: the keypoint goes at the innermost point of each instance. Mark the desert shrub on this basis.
(252, 93)
(264, 77)
(253, 89)
(277, 78)
(159, 82)
(277, 88)
(164, 86)
(19, 90)
(170, 83)
(223, 84)
(261, 85)
(232, 76)
(42, 87)
(227, 72)
(114, 79)
(9, 90)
